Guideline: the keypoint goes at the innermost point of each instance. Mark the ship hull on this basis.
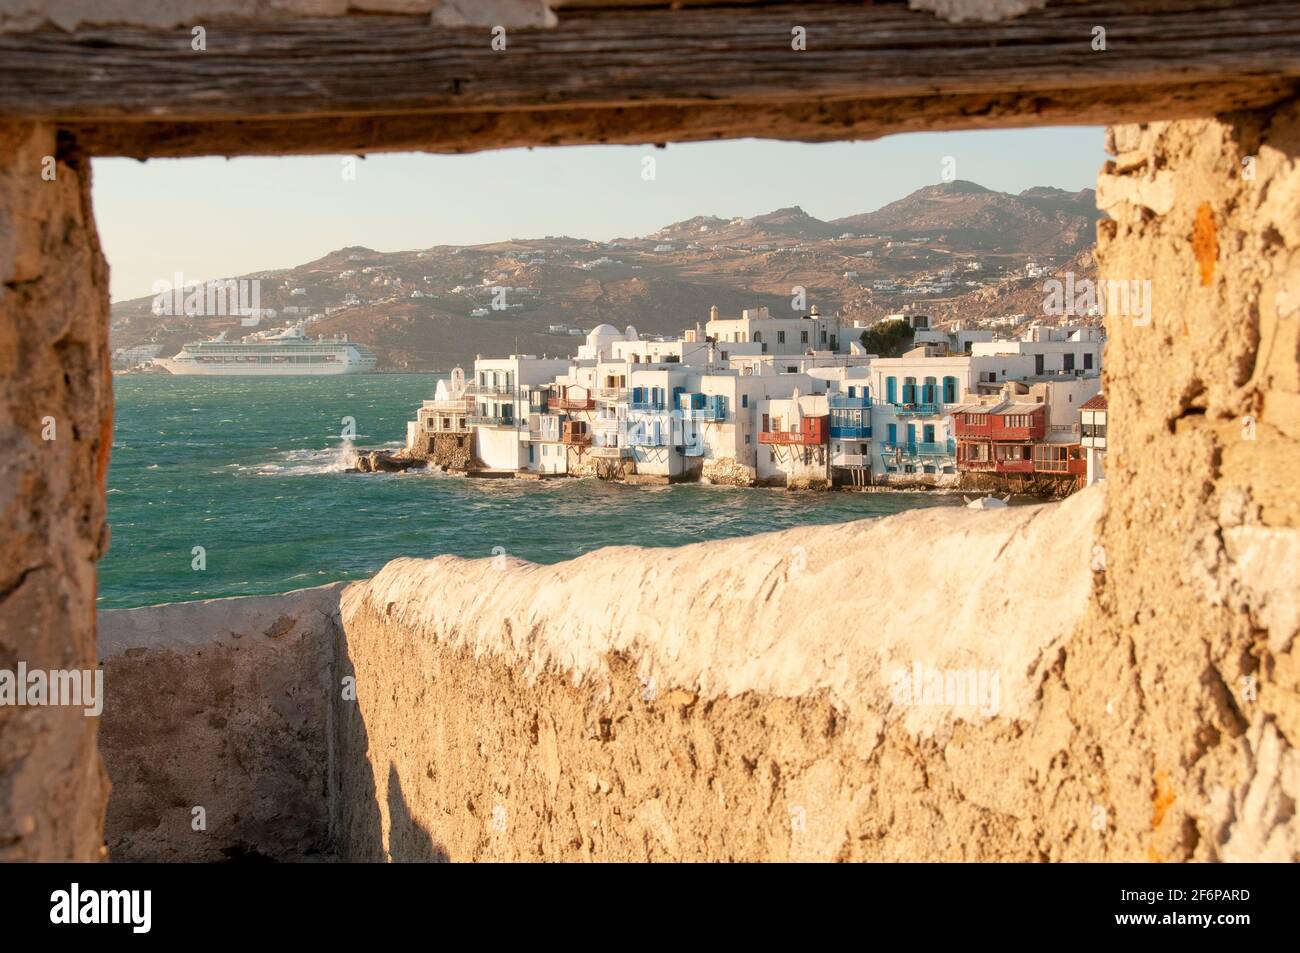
(187, 369)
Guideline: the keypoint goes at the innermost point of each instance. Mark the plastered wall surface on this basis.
(762, 698)
(216, 728)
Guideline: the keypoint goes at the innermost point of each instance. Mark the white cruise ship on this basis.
(288, 352)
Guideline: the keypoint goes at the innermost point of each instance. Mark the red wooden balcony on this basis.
(996, 427)
(812, 433)
(963, 427)
(1015, 466)
(1037, 429)
(1072, 462)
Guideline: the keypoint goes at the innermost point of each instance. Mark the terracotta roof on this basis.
(1096, 402)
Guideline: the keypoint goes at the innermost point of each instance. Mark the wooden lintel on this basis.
(357, 84)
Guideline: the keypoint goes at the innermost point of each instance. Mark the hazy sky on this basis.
(216, 218)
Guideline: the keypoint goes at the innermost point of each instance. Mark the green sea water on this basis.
(251, 470)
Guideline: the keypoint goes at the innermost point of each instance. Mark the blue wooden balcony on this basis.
(850, 417)
(704, 413)
(699, 406)
(850, 431)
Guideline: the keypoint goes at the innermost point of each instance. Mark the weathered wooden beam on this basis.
(807, 122)
(359, 83)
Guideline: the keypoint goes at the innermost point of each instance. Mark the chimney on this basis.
(713, 313)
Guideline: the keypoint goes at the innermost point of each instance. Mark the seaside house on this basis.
(1092, 437)
(569, 409)
(758, 399)
(793, 442)
(1028, 429)
(777, 335)
(441, 431)
(658, 432)
(850, 433)
(912, 439)
(509, 395)
(1066, 350)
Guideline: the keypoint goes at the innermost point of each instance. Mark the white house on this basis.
(509, 395)
(794, 334)
(1054, 350)
(1092, 422)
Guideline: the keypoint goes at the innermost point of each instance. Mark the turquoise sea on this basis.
(252, 471)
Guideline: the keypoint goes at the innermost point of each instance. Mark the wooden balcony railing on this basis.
(1015, 466)
(571, 403)
(797, 438)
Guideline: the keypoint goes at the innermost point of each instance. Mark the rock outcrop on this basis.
(728, 472)
(387, 461)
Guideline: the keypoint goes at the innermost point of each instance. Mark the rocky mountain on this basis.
(968, 216)
(957, 250)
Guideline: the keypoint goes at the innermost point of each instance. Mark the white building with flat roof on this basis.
(912, 434)
(794, 334)
(508, 394)
(1054, 350)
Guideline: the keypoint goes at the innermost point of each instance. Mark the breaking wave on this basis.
(310, 462)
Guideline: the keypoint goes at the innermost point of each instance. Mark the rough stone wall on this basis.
(711, 702)
(581, 463)
(1194, 646)
(55, 434)
(223, 705)
(451, 451)
(1040, 485)
(728, 472)
(586, 464)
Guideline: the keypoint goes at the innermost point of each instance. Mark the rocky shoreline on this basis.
(386, 461)
(399, 461)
